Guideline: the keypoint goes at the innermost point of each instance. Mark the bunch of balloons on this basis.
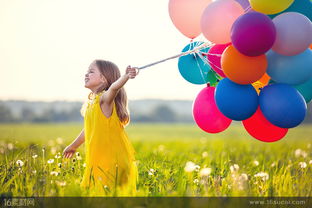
(258, 69)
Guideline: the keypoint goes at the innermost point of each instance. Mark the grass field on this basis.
(173, 160)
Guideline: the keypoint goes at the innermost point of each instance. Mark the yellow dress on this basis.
(110, 160)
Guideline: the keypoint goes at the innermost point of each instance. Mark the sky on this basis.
(46, 47)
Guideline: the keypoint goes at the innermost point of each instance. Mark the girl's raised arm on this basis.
(109, 96)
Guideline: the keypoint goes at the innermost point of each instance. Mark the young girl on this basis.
(110, 161)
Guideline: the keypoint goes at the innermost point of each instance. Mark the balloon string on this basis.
(247, 9)
(195, 50)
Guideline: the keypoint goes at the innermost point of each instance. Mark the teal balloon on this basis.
(293, 70)
(192, 68)
(305, 90)
(302, 6)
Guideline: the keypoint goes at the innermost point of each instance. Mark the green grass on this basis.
(166, 148)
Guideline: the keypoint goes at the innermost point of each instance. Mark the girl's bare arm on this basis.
(111, 93)
(70, 149)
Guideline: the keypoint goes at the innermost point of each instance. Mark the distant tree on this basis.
(27, 114)
(5, 114)
(163, 113)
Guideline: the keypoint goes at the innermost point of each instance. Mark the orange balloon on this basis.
(261, 83)
(265, 79)
(242, 69)
(311, 46)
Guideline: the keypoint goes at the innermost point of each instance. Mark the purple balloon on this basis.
(244, 3)
(253, 34)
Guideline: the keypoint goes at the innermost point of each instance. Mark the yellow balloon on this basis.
(270, 6)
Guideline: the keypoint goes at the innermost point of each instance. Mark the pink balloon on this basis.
(214, 57)
(218, 18)
(186, 14)
(206, 113)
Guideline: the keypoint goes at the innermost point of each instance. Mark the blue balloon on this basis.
(302, 6)
(282, 105)
(237, 102)
(305, 90)
(291, 70)
(192, 68)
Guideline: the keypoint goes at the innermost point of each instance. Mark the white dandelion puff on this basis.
(54, 173)
(256, 163)
(59, 140)
(310, 162)
(303, 164)
(205, 172)
(10, 146)
(34, 156)
(263, 175)
(243, 177)
(205, 154)
(50, 161)
(20, 163)
(196, 181)
(189, 167)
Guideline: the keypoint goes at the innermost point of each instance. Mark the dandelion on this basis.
(53, 150)
(34, 171)
(243, 177)
(197, 167)
(189, 167)
(54, 173)
(10, 146)
(50, 161)
(263, 175)
(303, 164)
(59, 140)
(205, 154)
(273, 164)
(20, 163)
(310, 162)
(151, 171)
(34, 156)
(256, 163)
(234, 168)
(84, 165)
(78, 157)
(205, 172)
(300, 152)
(57, 156)
(196, 181)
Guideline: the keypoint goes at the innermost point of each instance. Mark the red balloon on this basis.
(214, 57)
(260, 128)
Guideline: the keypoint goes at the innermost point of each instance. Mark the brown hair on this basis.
(111, 72)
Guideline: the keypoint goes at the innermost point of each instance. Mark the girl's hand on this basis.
(69, 151)
(132, 72)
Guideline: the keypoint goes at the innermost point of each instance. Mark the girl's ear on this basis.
(103, 79)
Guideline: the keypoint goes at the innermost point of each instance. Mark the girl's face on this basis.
(93, 78)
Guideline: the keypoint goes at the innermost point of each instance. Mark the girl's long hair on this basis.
(111, 72)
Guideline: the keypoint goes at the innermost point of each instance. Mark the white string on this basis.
(194, 50)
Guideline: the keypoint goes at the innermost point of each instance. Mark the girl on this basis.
(110, 161)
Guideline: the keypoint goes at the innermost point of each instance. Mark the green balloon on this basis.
(305, 90)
